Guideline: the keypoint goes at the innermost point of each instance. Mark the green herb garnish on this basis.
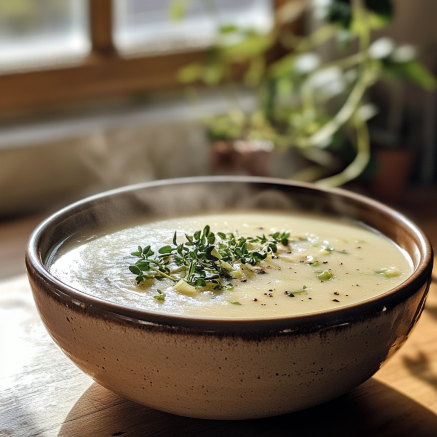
(390, 272)
(324, 276)
(160, 296)
(292, 293)
(205, 259)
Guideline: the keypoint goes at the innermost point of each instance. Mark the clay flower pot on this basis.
(242, 157)
(391, 180)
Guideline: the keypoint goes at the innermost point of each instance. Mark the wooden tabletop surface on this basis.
(43, 394)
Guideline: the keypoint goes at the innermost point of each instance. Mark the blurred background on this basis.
(97, 94)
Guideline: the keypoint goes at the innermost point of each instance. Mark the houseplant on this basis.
(318, 107)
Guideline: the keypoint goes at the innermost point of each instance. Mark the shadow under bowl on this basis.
(217, 368)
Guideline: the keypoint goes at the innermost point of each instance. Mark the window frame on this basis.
(103, 73)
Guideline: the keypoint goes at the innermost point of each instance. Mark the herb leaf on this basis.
(160, 296)
(201, 262)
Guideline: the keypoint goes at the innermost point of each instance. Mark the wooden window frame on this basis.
(104, 73)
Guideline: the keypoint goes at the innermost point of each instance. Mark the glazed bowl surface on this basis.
(226, 368)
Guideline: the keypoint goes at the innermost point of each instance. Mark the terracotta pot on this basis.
(241, 157)
(391, 180)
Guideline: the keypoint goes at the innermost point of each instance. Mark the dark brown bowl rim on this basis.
(343, 315)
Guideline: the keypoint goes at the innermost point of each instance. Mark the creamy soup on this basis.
(321, 264)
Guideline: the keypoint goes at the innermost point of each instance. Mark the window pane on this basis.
(36, 33)
(145, 25)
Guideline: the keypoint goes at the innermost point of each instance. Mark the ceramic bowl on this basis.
(226, 369)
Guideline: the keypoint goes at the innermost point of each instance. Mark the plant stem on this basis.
(358, 164)
(164, 274)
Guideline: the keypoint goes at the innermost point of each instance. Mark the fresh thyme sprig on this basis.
(206, 259)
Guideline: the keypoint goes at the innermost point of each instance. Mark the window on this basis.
(58, 51)
(48, 32)
(146, 26)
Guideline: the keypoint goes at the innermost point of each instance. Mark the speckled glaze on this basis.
(226, 369)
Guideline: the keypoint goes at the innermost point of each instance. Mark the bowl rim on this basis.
(332, 317)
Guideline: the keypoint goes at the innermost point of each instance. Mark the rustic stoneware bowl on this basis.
(226, 369)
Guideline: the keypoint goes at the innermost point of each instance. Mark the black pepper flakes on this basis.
(335, 300)
(255, 299)
(289, 294)
(244, 280)
(337, 293)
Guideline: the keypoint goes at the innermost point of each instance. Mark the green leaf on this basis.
(235, 303)
(213, 73)
(340, 12)
(382, 8)
(412, 71)
(165, 249)
(199, 266)
(255, 72)
(283, 66)
(177, 9)
(228, 28)
(325, 275)
(200, 282)
(135, 270)
(209, 255)
(160, 296)
(254, 44)
(142, 265)
(190, 73)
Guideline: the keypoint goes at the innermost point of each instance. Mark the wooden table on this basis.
(43, 394)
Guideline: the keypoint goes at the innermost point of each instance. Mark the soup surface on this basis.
(326, 264)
